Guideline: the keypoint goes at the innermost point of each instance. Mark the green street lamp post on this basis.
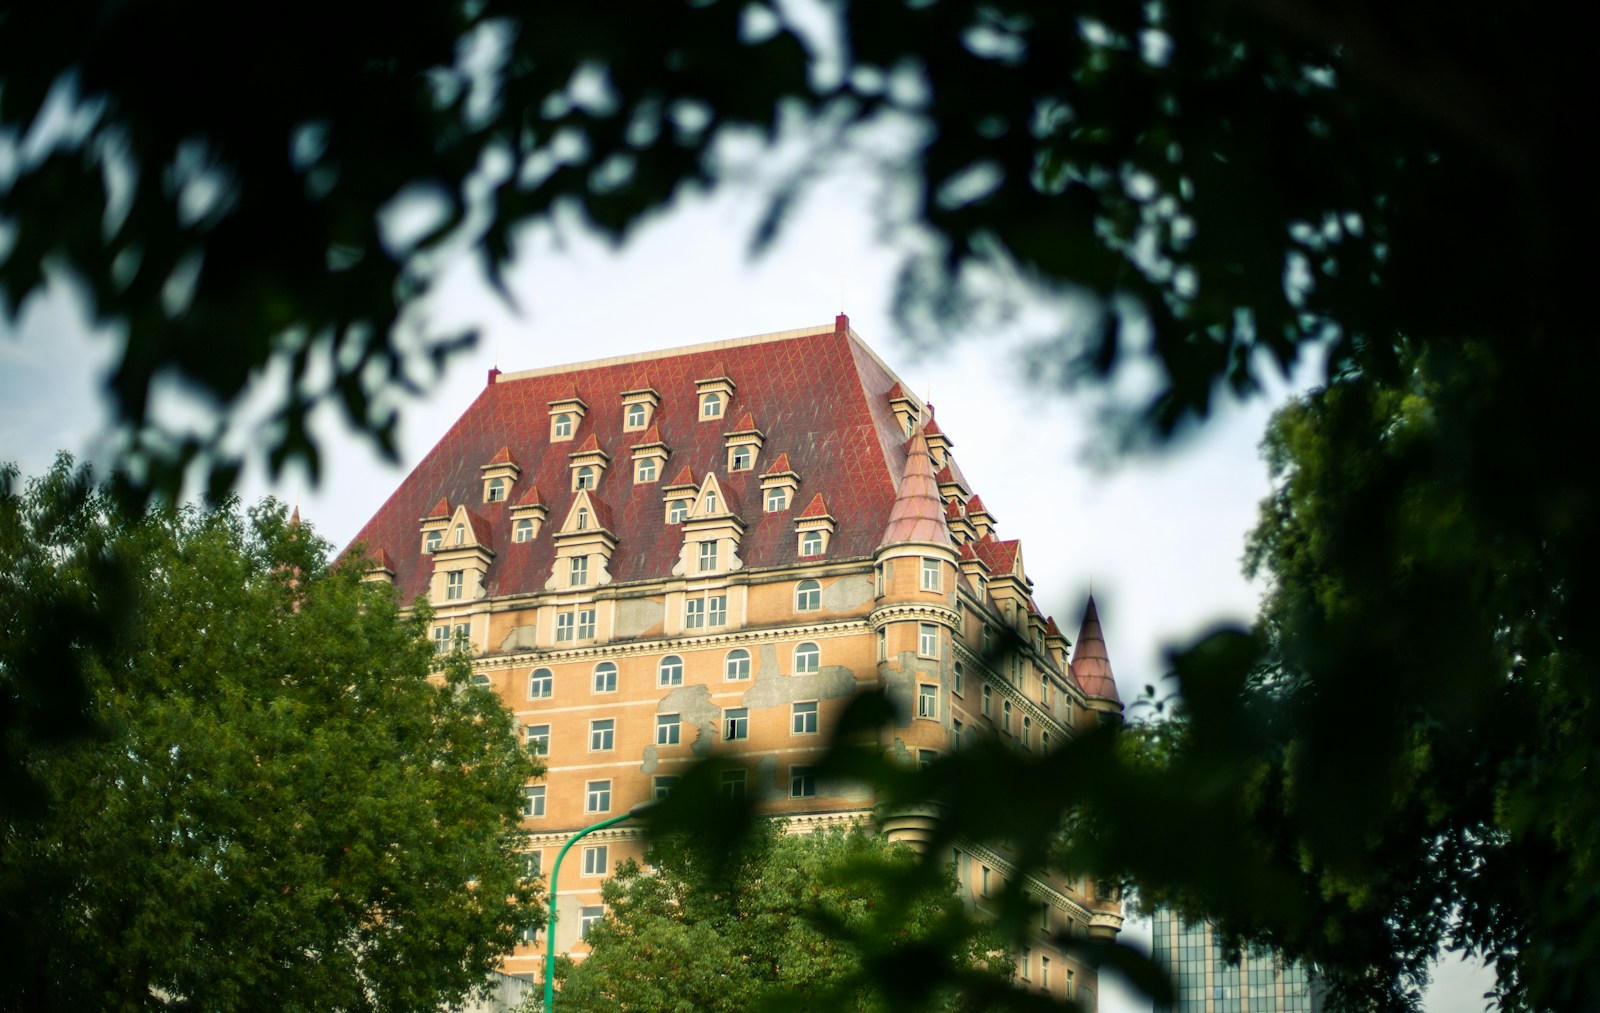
(642, 809)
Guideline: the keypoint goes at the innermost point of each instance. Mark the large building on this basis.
(712, 548)
(1206, 980)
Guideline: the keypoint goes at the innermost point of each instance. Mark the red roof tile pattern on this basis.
(999, 557)
(1090, 662)
(652, 435)
(975, 506)
(821, 396)
(531, 497)
(482, 531)
(780, 466)
(918, 512)
(440, 509)
(816, 508)
(590, 445)
(747, 424)
(502, 457)
(382, 561)
(952, 510)
(685, 477)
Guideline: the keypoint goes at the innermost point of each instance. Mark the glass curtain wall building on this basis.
(1204, 981)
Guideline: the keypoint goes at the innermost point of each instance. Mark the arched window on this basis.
(807, 659)
(605, 677)
(711, 406)
(461, 533)
(646, 470)
(563, 428)
(635, 416)
(711, 502)
(807, 596)
(670, 673)
(497, 490)
(523, 532)
(541, 684)
(677, 511)
(435, 539)
(811, 543)
(586, 477)
(738, 664)
(583, 519)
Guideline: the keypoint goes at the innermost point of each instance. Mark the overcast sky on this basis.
(1158, 537)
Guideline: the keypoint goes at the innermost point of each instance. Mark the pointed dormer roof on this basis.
(599, 513)
(591, 445)
(1000, 557)
(382, 561)
(478, 527)
(780, 467)
(502, 457)
(685, 478)
(531, 497)
(746, 424)
(440, 509)
(727, 502)
(952, 511)
(651, 436)
(816, 508)
(918, 513)
(1090, 662)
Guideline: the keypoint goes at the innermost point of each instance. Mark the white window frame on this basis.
(605, 677)
(694, 613)
(537, 739)
(495, 490)
(597, 796)
(807, 659)
(594, 860)
(561, 426)
(807, 596)
(927, 700)
(541, 686)
(717, 610)
(668, 729)
(644, 471)
(804, 717)
(741, 458)
(586, 624)
(927, 640)
(735, 724)
(776, 499)
(584, 478)
(578, 571)
(533, 802)
(932, 579)
(455, 585)
(669, 671)
(635, 417)
(711, 405)
(811, 544)
(736, 666)
(602, 735)
(590, 915)
(566, 623)
(433, 541)
(958, 680)
(677, 511)
(802, 781)
(708, 556)
(522, 531)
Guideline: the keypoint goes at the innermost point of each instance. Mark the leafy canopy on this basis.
(277, 798)
(808, 921)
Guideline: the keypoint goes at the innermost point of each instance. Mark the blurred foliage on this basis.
(274, 802)
(827, 920)
(1401, 754)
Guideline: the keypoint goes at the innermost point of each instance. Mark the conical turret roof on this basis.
(918, 513)
(1090, 662)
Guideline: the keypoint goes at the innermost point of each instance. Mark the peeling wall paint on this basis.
(638, 616)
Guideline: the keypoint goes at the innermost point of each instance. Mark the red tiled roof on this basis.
(382, 561)
(779, 466)
(822, 395)
(685, 477)
(481, 530)
(998, 556)
(965, 552)
(975, 506)
(531, 497)
(952, 510)
(816, 508)
(440, 509)
(503, 457)
(652, 435)
(1050, 627)
(932, 427)
(1090, 662)
(592, 443)
(745, 425)
(896, 392)
(918, 513)
(565, 392)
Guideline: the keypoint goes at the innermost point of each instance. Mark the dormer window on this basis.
(716, 392)
(523, 531)
(711, 406)
(741, 459)
(496, 490)
(639, 404)
(811, 543)
(711, 502)
(635, 417)
(499, 475)
(579, 571)
(435, 539)
(561, 428)
(583, 478)
(460, 536)
(708, 557)
(582, 522)
(777, 499)
(644, 470)
(815, 526)
(677, 511)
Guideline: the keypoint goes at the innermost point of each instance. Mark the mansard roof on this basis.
(822, 393)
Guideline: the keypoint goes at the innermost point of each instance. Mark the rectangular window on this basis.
(532, 865)
(564, 625)
(598, 799)
(958, 681)
(925, 758)
(1044, 693)
(538, 739)
(802, 782)
(733, 784)
(586, 624)
(578, 570)
(455, 583)
(955, 734)
(928, 640)
(805, 718)
(694, 613)
(594, 860)
(927, 700)
(541, 685)
(441, 640)
(602, 734)
(984, 888)
(708, 557)
(664, 785)
(590, 917)
(883, 645)
(735, 724)
(667, 729)
(1044, 916)
(740, 459)
(930, 575)
(1044, 973)
(717, 610)
(1025, 962)
(533, 801)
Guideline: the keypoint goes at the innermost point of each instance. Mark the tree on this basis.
(802, 921)
(281, 805)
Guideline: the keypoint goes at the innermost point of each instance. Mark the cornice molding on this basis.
(672, 645)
